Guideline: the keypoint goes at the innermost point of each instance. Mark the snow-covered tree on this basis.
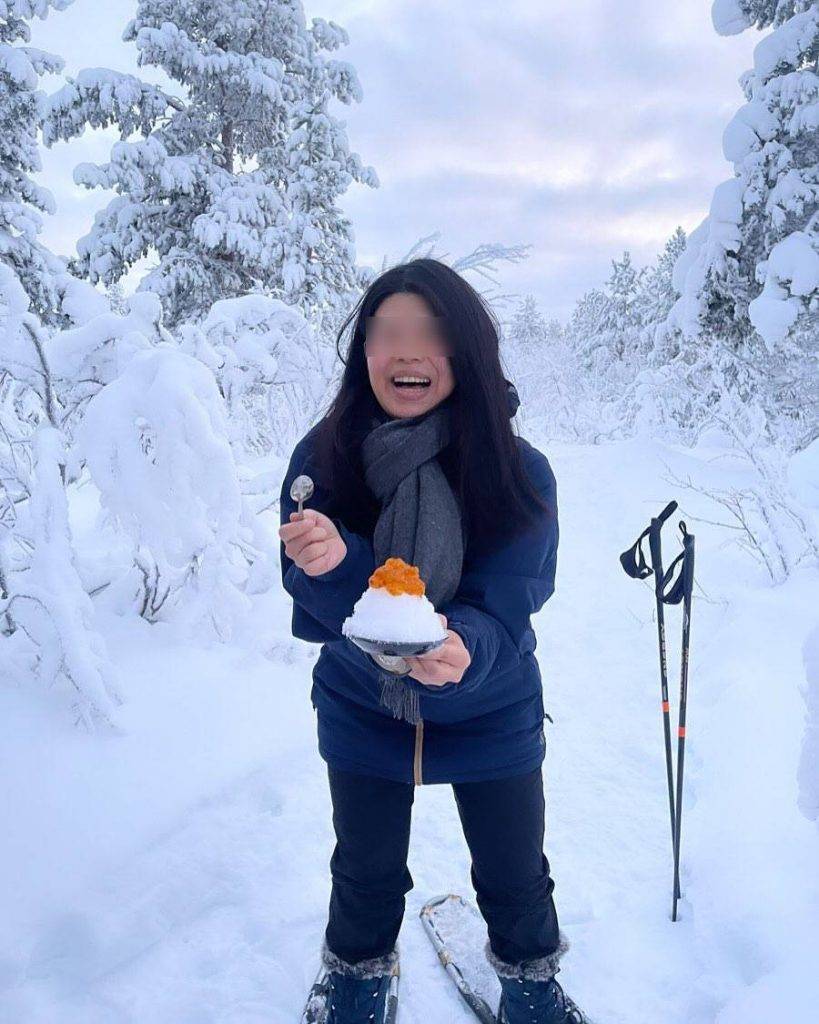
(524, 351)
(615, 336)
(604, 335)
(656, 293)
(527, 330)
(231, 185)
(754, 261)
(272, 369)
(22, 200)
(528, 350)
(587, 316)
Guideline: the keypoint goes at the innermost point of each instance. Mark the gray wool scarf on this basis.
(420, 518)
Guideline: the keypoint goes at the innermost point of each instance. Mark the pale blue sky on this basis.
(582, 127)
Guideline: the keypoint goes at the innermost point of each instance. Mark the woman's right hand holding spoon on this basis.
(313, 542)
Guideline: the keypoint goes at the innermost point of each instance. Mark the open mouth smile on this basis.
(405, 381)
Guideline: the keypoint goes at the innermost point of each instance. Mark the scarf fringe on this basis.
(399, 697)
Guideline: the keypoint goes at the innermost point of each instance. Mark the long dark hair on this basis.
(482, 462)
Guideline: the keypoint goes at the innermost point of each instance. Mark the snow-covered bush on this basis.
(155, 441)
(46, 617)
(771, 517)
(94, 351)
(47, 602)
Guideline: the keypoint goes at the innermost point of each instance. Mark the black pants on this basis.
(503, 822)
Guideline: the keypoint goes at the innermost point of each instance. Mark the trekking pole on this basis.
(681, 590)
(634, 563)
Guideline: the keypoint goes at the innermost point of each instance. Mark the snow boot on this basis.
(360, 993)
(530, 993)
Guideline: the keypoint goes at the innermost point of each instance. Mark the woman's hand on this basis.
(446, 664)
(313, 542)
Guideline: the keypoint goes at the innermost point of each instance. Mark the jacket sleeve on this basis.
(321, 603)
(496, 599)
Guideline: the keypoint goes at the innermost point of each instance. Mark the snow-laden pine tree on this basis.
(525, 354)
(606, 332)
(753, 263)
(656, 293)
(230, 186)
(22, 200)
(526, 331)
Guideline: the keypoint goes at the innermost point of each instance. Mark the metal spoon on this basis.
(301, 489)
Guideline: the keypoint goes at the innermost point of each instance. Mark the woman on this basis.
(416, 459)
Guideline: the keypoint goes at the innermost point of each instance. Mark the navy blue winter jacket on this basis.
(488, 725)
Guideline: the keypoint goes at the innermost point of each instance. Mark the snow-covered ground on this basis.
(179, 874)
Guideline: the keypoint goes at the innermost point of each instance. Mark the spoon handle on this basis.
(301, 489)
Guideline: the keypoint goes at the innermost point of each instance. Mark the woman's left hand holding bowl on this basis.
(445, 664)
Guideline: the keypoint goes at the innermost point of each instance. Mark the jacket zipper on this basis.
(419, 744)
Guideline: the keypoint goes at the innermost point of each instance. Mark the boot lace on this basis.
(355, 1000)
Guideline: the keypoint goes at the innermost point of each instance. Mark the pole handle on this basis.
(633, 560)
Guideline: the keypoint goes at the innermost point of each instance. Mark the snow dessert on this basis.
(394, 607)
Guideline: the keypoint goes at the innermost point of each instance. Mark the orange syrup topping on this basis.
(398, 577)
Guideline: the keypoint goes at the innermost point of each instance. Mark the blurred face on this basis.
(408, 356)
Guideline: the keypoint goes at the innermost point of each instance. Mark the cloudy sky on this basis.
(579, 127)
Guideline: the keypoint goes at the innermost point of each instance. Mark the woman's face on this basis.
(404, 339)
